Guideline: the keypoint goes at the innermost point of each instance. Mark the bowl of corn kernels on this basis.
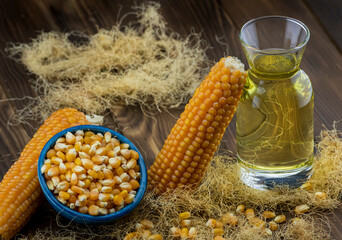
(91, 174)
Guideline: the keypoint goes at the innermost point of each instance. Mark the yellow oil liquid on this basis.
(275, 116)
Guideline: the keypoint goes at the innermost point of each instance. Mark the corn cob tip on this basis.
(233, 63)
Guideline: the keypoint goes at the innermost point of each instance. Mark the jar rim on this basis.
(296, 21)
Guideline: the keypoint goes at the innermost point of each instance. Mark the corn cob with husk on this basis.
(20, 193)
(194, 139)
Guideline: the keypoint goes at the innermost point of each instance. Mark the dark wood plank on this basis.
(328, 14)
(12, 138)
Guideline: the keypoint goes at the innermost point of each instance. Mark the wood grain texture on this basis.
(328, 14)
(218, 21)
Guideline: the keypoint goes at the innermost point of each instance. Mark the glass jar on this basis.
(274, 119)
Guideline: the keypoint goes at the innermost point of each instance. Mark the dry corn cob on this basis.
(193, 140)
(19, 190)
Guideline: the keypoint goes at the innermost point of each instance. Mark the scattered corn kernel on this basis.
(273, 226)
(301, 209)
(307, 186)
(240, 209)
(156, 237)
(219, 238)
(249, 213)
(280, 219)
(147, 223)
(184, 215)
(218, 231)
(321, 195)
(192, 233)
(230, 219)
(184, 233)
(175, 232)
(268, 214)
(211, 223)
(257, 222)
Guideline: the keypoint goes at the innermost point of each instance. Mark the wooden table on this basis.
(21, 20)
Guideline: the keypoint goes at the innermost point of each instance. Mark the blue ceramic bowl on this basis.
(86, 218)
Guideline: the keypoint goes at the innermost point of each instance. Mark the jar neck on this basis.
(274, 66)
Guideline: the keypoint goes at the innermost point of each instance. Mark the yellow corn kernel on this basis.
(132, 173)
(218, 231)
(50, 185)
(211, 223)
(83, 209)
(146, 234)
(78, 161)
(126, 153)
(280, 219)
(321, 195)
(185, 223)
(124, 145)
(257, 222)
(131, 164)
(249, 213)
(119, 171)
(87, 163)
(240, 209)
(184, 215)
(125, 177)
(230, 219)
(77, 147)
(175, 232)
(78, 170)
(60, 155)
(132, 235)
(77, 189)
(184, 233)
(63, 186)
(45, 168)
(307, 186)
(134, 155)
(93, 210)
(219, 238)
(53, 171)
(106, 189)
(64, 195)
(82, 197)
(301, 209)
(55, 180)
(129, 198)
(192, 233)
(126, 186)
(115, 162)
(70, 138)
(156, 237)
(115, 141)
(273, 226)
(268, 214)
(147, 224)
(62, 168)
(94, 194)
(50, 153)
(118, 200)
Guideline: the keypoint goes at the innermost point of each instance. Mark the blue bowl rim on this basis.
(101, 218)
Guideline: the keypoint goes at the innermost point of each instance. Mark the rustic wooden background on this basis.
(22, 20)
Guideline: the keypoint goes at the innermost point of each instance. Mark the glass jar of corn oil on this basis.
(274, 119)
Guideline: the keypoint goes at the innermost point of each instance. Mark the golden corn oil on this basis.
(275, 138)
